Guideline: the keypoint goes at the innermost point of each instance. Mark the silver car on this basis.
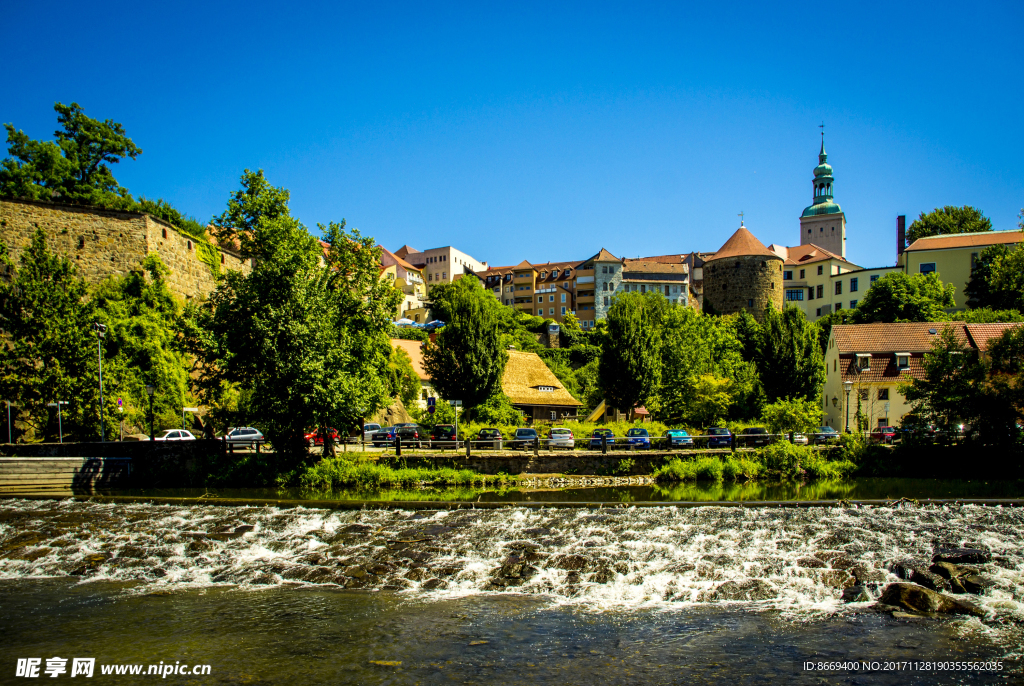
(561, 438)
(369, 430)
(243, 435)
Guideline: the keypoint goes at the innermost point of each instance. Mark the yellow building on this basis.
(874, 357)
(545, 289)
(953, 256)
(409, 280)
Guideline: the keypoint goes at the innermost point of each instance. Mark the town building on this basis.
(743, 275)
(441, 265)
(823, 222)
(953, 257)
(409, 280)
(874, 358)
(535, 390)
(545, 289)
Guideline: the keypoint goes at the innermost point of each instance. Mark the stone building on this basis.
(103, 243)
(742, 275)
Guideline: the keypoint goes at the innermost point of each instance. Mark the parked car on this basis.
(369, 430)
(826, 434)
(443, 435)
(677, 438)
(523, 439)
(402, 424)
(561, 438)
(385, 437)
(411, 434)
(800, 439)
(638, 437)
(314, 437)
(753, 436)
(243, 435)
(175, 435)
(489, 438)
(600, 435)
(719, 437)
(883, 434)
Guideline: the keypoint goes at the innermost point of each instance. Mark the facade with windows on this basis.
(409, 280)
(953, 257)
(441, 265)
(545, 289)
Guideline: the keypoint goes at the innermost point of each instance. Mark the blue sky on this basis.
(545, 131)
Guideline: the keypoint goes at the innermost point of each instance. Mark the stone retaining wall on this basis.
(620, 464)
(62, 475)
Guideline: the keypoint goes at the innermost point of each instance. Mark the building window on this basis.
(874, 278)
(643, 288)
(863, 362)
(821, 291)
(821, 270)
(606, 301)
(927, 267)
(750, 303)
(551, 310)
(902, 361)
(864, 394)
(604, 270)
(794, 294)
(974, 260)
(818, 313)
(604, 287)
(810, 292)
(551, 298)
(563, 297)
(787, 276)
(611, 270)
(883, 393)
(853, 285)
(563, 311)
(164, 232)
(544, 275)
(839, 287)
(853, 304)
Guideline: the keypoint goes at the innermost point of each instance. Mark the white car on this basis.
(175, 435)
(561, 438)
(800, 439)
(369, 430)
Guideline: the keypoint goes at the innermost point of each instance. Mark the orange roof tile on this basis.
(645, 267)
(668, 259)
(966, 240)
(742, 244)
(805, 254)
(890, 338)
(401, 263)
(883, 368)
(405, 251)
(981, 334)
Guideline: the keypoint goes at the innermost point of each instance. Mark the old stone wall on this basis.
(749, 283)
(103, 243)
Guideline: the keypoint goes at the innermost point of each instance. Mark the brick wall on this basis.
(103, 243)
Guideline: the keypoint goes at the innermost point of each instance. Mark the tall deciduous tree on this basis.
(789, 360)
(997, 280)
(897, 297)
(630, 368)
(304, 332)
(467, 360)
(948, 220)
(49, 353)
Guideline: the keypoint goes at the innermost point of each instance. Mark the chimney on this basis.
(901, 235)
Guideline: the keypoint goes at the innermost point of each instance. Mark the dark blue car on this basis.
(384, 437)
(678, 438)
(639, 438)
(595, 438)
(720, 438)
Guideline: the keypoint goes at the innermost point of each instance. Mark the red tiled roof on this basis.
(889, 338)
(742, 244)
(405, 251)
(966, 240)
(401, 263)
(805, 254)
(668, 259)
(981, 334)
(883, 368)
(645, 267)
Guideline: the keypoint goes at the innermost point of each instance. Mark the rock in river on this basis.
(919, 599)
(959, 556)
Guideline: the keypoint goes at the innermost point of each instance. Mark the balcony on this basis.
(585, 299)
(584, 279)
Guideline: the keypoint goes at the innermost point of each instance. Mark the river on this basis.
(569, 596)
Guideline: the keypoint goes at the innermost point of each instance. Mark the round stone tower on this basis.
(742, 275)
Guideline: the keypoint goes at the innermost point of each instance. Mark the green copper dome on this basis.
(823, 170)
(827, 207)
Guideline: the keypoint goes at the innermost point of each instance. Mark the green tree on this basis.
(74, 168)
(985, 315)
(952, 383)
(948, 220)
(1002, 404)
(792, 414)
(403, 382)
(897, 297)
(309, 345)
(50, 348)
(826, 323)
(997, 279)
(467, 359)
(789, 360)
(630, 368)
(711, 399)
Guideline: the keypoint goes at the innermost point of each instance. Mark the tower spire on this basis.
(822, 155)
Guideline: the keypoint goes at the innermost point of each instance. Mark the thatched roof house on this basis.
(535, 390)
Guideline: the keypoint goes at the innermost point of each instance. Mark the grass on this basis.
(778, 461)
(342, 471)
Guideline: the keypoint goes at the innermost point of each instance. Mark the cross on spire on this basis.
(740, 215)
(822, 127)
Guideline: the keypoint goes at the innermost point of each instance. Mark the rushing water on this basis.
(620, 595)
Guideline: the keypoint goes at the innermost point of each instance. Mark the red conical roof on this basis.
(742, 244)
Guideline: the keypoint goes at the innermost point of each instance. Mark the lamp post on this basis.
(847, 385)
(149, 392)
(60, 425)
(101, 330)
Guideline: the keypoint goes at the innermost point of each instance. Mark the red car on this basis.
(313, 438)
(884, 434)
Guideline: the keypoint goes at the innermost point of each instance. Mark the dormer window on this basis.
(543, 275)
(902, 360)
(863, 362)
(546, 389)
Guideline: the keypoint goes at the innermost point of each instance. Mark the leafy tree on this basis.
(898, 297)
(467, 359)
(1001, 411)
(409, 333)
(309, 344)
(403, 382)
(948, 220)
(997, 279)
(952, 383)
(141, 345)
(789, 360)
(792, 414)
(985, 315)
(497, 410)
(50, 350)
(826, 323)
(711, 399)
(630, 368)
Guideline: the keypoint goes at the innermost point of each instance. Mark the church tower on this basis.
(823, 223)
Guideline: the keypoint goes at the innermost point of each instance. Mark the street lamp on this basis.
(60, 426)
(847, 385)
(149, 391)
(101, 330)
